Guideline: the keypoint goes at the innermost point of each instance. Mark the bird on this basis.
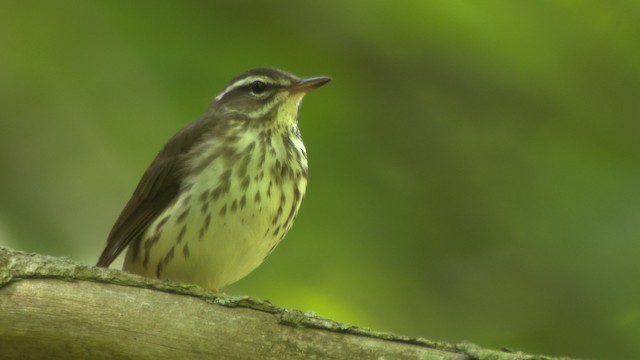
(224, 190)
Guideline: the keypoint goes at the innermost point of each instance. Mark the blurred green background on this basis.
(474, 164)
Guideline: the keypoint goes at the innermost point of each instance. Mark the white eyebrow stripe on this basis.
(248, 80)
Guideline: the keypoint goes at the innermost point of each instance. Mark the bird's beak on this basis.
(306, 85)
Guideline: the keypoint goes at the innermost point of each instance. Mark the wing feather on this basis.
(159, 186)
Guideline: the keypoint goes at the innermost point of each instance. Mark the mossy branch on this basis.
(55, 308)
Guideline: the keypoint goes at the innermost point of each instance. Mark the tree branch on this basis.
(55, 308)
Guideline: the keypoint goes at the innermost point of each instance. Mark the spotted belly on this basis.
(224, 222)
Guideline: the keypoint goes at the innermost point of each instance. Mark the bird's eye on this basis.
(258, 87)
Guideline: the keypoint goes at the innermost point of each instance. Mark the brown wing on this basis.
(158, 187)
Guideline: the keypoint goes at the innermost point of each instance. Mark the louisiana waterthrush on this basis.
(224, 190)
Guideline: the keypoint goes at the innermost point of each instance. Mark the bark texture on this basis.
(55, 308)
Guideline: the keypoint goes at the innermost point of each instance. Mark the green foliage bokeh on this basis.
(474, 165)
